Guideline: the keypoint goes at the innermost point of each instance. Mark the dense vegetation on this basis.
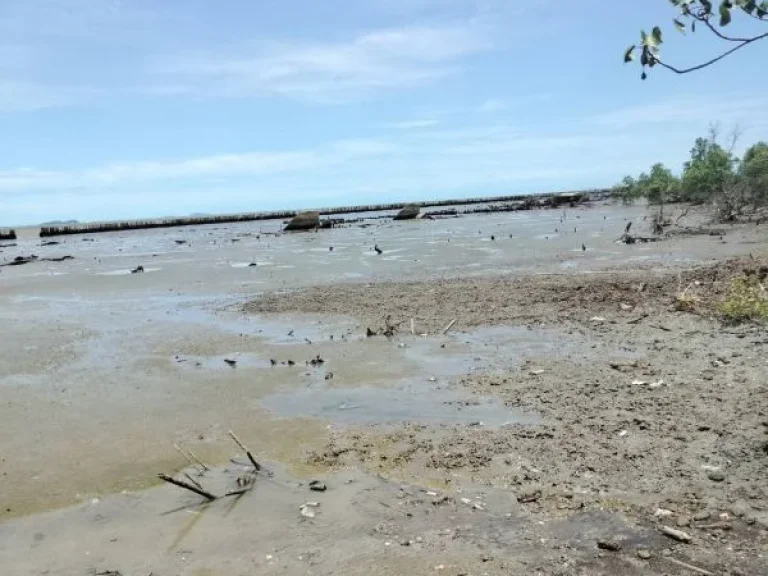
(713, 175)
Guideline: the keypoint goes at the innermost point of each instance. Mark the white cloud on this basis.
(698, 109)
(214, 166)
(25, 96)
(414, 124)
(333, 71)
(492, 105)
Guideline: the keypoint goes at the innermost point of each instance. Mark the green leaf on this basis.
(656, 33)
(629, 54)
(680, 26)
(707, 6)
(693, 26)
(643, 76)
(725, 13)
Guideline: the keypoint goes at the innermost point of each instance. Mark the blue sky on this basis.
(132, 108)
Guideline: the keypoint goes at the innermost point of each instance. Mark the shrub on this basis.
(746, 300)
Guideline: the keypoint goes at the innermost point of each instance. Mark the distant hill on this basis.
(60, 223)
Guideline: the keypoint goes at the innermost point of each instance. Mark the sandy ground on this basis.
(561, 409)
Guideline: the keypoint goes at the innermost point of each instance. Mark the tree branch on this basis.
(713, 60)
(715, 31)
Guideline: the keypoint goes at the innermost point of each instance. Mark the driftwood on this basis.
(627, 238)
(242, 446)
(195, 482)
(690, 567)
(187, 486)
(191, 458)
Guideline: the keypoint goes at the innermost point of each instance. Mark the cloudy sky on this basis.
(131, 108)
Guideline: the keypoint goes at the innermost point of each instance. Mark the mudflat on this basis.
(495, 394)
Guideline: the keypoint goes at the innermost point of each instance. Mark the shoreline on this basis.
(637, 407)
(522, 201)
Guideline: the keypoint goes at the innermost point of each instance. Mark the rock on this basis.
(409, 212)
(230, 362)
(675, 534)
(643, 554)
(529, 496)
(716, 475)
(702, 516)
(309, 510)
(609, 544)
(138, 270)
(317, 486)
(304, 221)
(683, 521)
(740, 509)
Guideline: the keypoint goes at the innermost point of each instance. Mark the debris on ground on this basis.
(317, 486)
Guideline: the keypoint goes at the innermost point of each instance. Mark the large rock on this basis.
(304, 221)
(409, 212)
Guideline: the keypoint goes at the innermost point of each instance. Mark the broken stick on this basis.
(189, 458)
(413, 329)
(242, 446)
(195, 482)
(690, 567)
(187, 486)
(196, 459)
(445, 330)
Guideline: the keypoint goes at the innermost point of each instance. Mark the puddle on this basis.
(426, 403)
(124, 272)
(220, 362)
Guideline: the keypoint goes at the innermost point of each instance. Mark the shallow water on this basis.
(523, 242)
(424, 403)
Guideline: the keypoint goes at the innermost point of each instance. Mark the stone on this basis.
(409, 212)
(529, 496)
(304, 221)
(683, 521)
(740, 508)
(702, 516)
(716, 475)
(643, 554)
(611, 544)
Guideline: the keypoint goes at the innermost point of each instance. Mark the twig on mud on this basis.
(191, 459)
(445, 330)
(196, 459)
(187, 486)
(638, 319)
(195, 482)
(690, 567)
(242, 446)
(238, 492)
(683, 214)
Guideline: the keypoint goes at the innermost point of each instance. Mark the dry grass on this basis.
(745, 301)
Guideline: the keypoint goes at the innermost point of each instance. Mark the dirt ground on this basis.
(670, 431)
(646, 413)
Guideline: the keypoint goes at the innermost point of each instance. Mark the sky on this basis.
(143, 108)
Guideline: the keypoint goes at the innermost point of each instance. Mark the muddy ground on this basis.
(574, 407)
(669, 430)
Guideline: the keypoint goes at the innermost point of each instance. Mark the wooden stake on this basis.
(242, 446)
(413, 329)
(445, 330)
(187, 486)
(188, 458)
(196, 459)
(195, 482)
